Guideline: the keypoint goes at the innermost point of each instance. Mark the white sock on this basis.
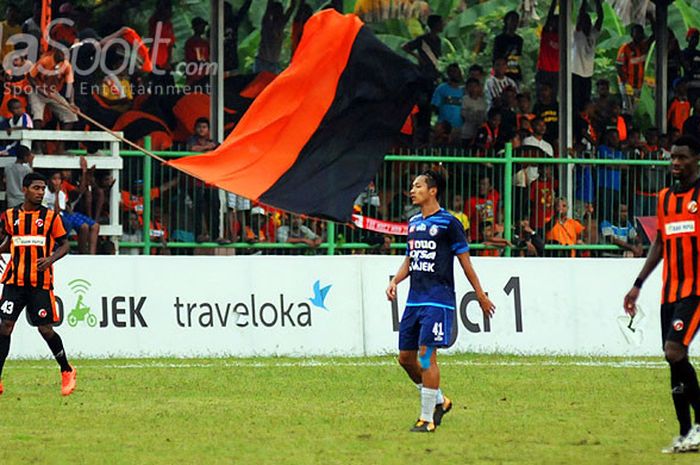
(439, 399)
(427, 403)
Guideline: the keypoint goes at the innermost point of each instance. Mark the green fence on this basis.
(168, 212)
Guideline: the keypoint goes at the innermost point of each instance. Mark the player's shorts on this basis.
(40, 304)
(680, 320)
(425, 325)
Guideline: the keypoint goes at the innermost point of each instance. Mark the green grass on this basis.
(508, 410)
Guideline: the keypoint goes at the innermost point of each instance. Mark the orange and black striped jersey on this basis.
(33, 235)
(632, 58)
(679, 229)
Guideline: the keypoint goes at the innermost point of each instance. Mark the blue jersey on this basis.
(432, 245)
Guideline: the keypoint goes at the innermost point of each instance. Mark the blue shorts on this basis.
(425, 325)
(73, 221)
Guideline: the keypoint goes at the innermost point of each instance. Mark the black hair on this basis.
(493, 112)
(638, 27)
(433, 21)
(473, 80)
(13, 101)
(476, 67)
(689, 141)
(201, 119)
(31, 177)
(434, 178)
(454, 65)
(22, 152)
(510, 14)
(602, 81)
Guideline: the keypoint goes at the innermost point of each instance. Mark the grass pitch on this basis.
(508, 410)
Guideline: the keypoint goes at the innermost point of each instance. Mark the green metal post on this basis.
(147, 182)
(508, 195)
(331, 238)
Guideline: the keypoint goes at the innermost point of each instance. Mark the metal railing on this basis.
(181, 215)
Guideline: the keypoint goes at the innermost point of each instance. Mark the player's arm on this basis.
(58, 232)
(61, 251)
(4, 244)
(653, 259)
(5, 237)
(484, 302)
(401, 274)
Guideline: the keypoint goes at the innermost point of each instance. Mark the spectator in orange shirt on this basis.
(64, 31)
(679, 110)
(565, 230)
(48, 76)
(631, 59)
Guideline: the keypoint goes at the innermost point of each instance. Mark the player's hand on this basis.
(43, 263)
(631, 301)
(391, 290)
(486, 305)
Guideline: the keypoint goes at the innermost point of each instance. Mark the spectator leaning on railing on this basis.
(206, 198)
(565, 230)
(294, 232)
(18, 120)
(47, 77)
(623, 234)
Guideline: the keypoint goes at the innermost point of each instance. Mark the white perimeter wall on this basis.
(246, 306)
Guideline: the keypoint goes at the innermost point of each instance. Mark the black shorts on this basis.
(680, 320)
(40, 303)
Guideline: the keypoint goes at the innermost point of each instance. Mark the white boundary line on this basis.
(312, 363)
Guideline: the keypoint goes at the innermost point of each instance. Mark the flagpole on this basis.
(77, 111)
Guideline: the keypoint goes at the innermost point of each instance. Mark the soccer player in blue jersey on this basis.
(435, 237)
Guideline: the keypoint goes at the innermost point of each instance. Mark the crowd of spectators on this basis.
(467, 107)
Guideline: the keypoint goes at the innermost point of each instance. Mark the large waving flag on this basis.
(316, 136)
